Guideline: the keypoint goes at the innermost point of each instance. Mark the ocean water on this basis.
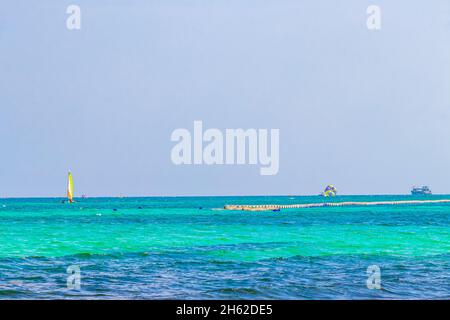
(189, 248)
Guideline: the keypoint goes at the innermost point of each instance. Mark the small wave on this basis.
(11, 292)
(94, 255)
(238, 290)
(220, 262)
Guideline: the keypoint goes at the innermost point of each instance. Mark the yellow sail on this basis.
(70, 188)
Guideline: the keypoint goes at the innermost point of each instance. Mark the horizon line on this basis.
(206, 196)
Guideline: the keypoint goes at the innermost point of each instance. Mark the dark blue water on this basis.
(180, 275)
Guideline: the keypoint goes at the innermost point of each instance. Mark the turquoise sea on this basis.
(189, 248)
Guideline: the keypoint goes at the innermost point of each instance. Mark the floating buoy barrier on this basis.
(271, 207)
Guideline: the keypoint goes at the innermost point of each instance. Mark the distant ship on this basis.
(425, 190)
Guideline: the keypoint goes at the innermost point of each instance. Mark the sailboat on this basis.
(70, 188)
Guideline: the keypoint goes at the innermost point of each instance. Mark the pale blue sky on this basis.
(368, 111)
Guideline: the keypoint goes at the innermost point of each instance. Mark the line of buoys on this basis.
(267, 207)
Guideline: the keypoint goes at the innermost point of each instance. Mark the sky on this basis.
(365, 110)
